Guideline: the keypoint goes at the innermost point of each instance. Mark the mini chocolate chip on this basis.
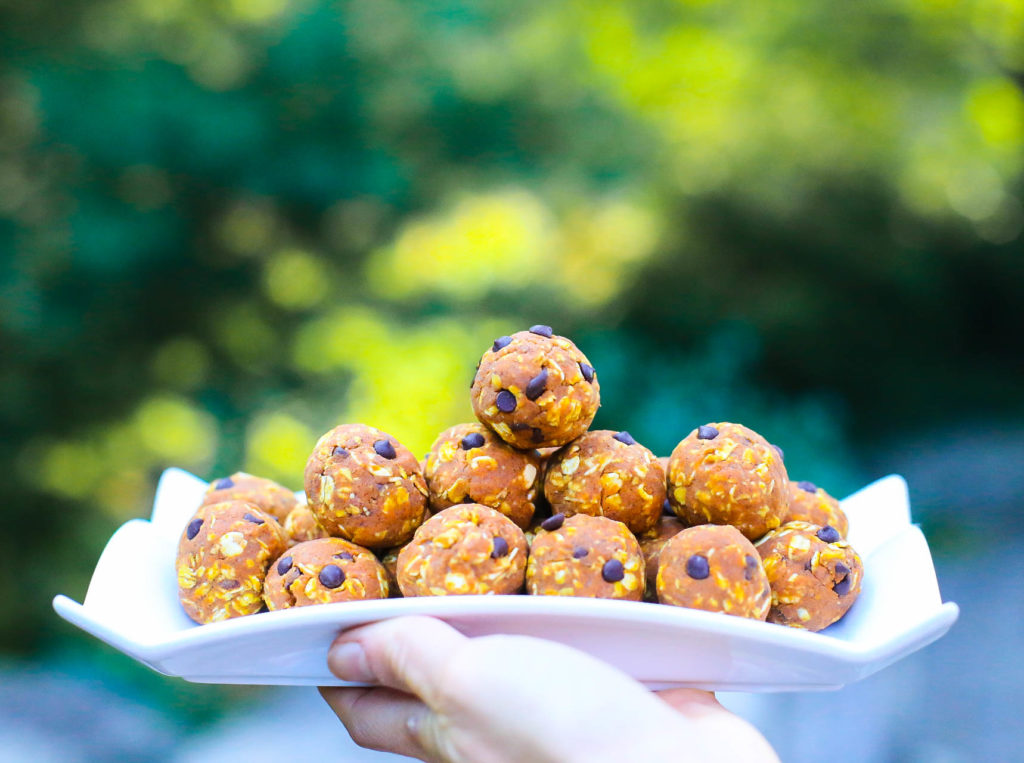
(284, 565)
(500, 548)
(697, 567)
(537, 435)
(223, 483)
(505, 401)
(229, 585)
(749, 567)
(536, 386)
(843, 586)
(553, 522)
(472, 440)
(579, 552)
(193, 528)
(624, 437)
(706, 432)
(828, 533)
(540, 330)
(339, 451)
(613, 572)
(780, 451)
(501, 341)
(810, 487)
(344, 555)
(587, 370)
(331, 576)
(666, 508)
(255, 520)
(519, 426)
(384, 449)
(842, 569)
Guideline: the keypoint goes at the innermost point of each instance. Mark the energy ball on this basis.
(268, 495)
(468, 463)
(535, 389)
(323, 571)
(581, 555)
(466, 549)
(726, 474)
(714, 568)
(365, 486)
(810, 503)
(607, 474)
(223, 555)
(301, 525)
(651, 544)
(815, 575)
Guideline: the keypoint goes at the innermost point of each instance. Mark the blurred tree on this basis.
(227, 226)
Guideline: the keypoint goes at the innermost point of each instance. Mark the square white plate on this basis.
(132, 604)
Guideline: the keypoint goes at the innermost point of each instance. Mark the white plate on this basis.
(132, 604)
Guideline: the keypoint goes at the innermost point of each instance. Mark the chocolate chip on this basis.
(501, 341)
(505, 401)
(500, 548)
(697, 567)
(613, 572)
(810, 487)
(536, 386)
(782, 454)
(706, 432)
(666, 508)
(843, 586)
(229, 585)
(223, 483)
(828, 534)
(254, 519)
(624, 437)
(519, 426)
(553, 522)
(587, 370)
(579, 552)
(384, 449)
(749, 567)
(339, 451)
(540, 330)
(472, 440)
(344, 555)
(284, 565)
(842, 569)
(537, 435)
(331, 576)
(193, 528)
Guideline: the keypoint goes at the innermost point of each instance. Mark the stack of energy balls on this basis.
(527, 499)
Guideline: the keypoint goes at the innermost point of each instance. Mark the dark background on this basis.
(226, 227)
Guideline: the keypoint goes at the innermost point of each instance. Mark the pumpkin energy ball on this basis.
(223, 555)
(810, 503)
(466, 549)
(468, 463)
(726, 474)
(365, 486)
(607, 474)
(714, 568)
(587, 556)
(268, 495)
(535, 389)
(651, 544)
(323, 571)
(301, 525)
(815, 575)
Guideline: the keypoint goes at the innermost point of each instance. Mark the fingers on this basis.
(406, 653)
(380, 718)
(690, 702)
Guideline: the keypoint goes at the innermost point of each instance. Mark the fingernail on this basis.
(348, 662)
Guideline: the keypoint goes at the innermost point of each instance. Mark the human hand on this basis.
(441, 696)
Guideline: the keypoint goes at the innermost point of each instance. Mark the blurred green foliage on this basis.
(227, 226)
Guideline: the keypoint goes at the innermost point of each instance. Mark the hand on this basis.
(444, 697)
